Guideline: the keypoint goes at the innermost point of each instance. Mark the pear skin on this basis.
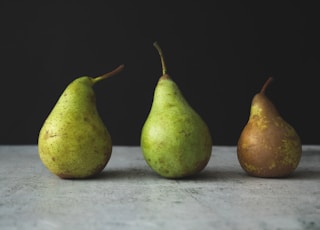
(74, 142)
(175, 140)
(268, 146)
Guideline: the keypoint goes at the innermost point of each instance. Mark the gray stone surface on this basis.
(128, 195)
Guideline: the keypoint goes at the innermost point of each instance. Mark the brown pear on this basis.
(268, 146)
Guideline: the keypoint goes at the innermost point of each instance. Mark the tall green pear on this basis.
(175, 140)
(268, 145)
(73, 141)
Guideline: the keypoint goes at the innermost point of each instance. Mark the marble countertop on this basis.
(128, 195)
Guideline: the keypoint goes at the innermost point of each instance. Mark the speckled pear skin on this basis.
(175, 140)
(73, 142)
(268, 146)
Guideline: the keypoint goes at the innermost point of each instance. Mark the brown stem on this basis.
(164, 68)
(109, 74)
(265, 85)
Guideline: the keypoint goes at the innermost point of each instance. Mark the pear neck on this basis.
(165, 77)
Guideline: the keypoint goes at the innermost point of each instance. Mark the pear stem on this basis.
(109, 74)
(164, 68)
(265, 85)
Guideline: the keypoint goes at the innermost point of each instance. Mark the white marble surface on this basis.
(128, 195)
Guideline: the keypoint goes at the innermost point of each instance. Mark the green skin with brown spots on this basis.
(175, 141)
(73, 142)
(268, 146)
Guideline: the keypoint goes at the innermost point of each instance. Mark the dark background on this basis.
(219, 53)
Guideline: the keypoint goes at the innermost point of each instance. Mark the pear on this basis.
(175, 140)
(73, 142)
(268, 146)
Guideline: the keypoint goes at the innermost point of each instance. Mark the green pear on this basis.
(175, 140)
(268, 146)
(73, 142)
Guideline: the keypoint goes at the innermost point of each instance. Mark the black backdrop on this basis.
(219, 53)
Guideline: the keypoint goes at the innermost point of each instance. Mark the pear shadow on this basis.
(214, 175)
(305, 175)
(147, 174)
(208, 175)
(118, 174)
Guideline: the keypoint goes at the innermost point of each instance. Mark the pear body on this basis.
(268, 146)
(175, 140)
(73, 141)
